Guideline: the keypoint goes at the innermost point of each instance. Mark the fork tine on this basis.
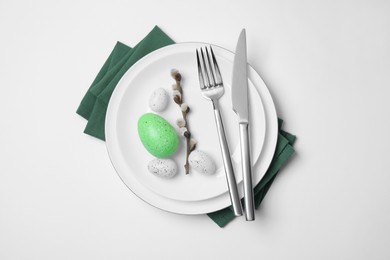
(217, 71)
(205, 70)
(210, 69)
(200, 72)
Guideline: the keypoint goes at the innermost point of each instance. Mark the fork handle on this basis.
(227, 162)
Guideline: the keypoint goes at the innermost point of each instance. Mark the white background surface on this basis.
(327, 65)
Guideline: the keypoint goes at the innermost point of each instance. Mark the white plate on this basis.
(193, 193)
(132, 97)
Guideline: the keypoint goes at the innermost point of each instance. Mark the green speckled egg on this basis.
(157, 135)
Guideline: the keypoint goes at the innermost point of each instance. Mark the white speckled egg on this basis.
(165, 168)
(202, 162)
(159, 99)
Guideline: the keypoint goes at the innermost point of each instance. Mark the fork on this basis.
(212, 88)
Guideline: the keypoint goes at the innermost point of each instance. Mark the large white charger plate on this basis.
(194, 193)
(153, 72)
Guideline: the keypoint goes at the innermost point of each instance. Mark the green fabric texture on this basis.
(93, 107)
(105, 74)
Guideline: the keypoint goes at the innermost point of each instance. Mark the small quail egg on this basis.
(165, 168)
(159, 99)
(202, 162)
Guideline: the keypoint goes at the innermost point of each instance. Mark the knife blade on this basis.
(240, 103)
(240, 80)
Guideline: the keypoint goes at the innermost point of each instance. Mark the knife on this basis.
(241, 107)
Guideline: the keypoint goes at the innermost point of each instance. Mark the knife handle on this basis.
(227, 162)
(247, 172)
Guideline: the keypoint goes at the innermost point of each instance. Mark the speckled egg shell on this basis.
(202, 162)
(157, 135)
(159, 99)
(165, 168)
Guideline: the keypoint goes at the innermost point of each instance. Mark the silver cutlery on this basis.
(212, 88)
(241, 107)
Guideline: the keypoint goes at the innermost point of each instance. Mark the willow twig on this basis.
(182, 123)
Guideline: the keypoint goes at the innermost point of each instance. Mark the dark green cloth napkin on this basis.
(93, 107)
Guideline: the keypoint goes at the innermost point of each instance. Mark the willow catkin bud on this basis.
(193, 143)
(187, 134)
(177, 99)
(181, 123)
(176, 74)
(184, 107)
(182, 131)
